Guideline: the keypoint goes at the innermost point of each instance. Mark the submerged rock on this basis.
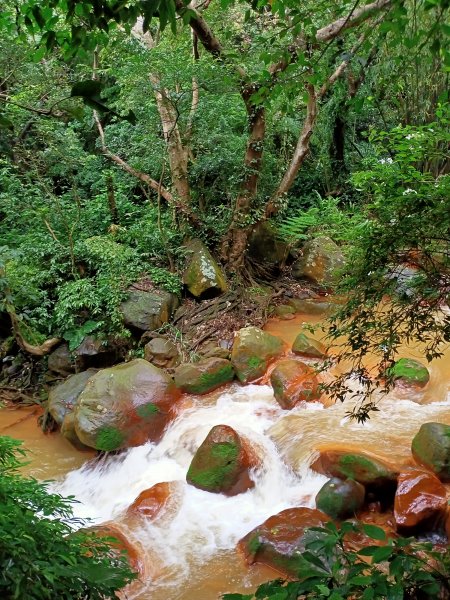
(307, 346)
(202, 276)
(419, 496)
(340, 498)
(62, 398)
(161, 352)
(409, 372)
(431, 448)
(121, 544)
(320, 262)
(310, 306)
(125, 406)
(151, 503)
(203, 376)
(147, 311)
(294, 382)
(222, 463)
(354, 465)
(279, 542)
(253, 350)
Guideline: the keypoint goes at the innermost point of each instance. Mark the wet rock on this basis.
(253, 350)
(310, 306)
(404, 277)
(354, 465)
(153, 502)
(265, 248)
(306, 346)
(61, 361)
(203, 376)
(320, 262)
(356, 540)
(431, 448)
(68, 432)
(280, 541)
(340, 498)
(419, 496)
(62, 397)
(409, 372)
(294, 382)
(202, 276)
(222, 463)
(147, 311)
(125, 406)
(283, 309)
(161, 352)
(121, 544)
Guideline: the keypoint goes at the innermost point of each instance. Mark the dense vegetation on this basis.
(128, 127)
(41, 556)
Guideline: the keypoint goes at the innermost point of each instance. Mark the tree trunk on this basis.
(235, 243)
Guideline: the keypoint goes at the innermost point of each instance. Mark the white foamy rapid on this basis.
(205, 523)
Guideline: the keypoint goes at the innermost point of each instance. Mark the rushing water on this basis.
(188, 550)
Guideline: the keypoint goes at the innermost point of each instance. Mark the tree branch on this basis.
(333, 29)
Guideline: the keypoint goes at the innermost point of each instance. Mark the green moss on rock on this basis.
(204, 376)
(253, 350)
(109, 438)
(410, 372)
(431, 448)
(340, 499)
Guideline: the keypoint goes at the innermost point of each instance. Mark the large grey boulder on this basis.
(147, 311)
(320, 262)
(202, 276)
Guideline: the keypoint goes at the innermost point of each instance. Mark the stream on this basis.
(188, 550)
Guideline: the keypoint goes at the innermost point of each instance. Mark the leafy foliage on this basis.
(330, 568)
(41, 556)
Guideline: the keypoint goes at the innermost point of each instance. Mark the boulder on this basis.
(419, 496)
(356, 540)
(294, 382)
(283, 310)
(264, 246)
(120, 544)
(202, 276)
(431, 448)
(61, 361)
(161, 352)
(280, 541)
(213, 350)
(151, 503)
(203, 376)
(125, 406)
(68, 432)
(147, 311)
(222, 463)
(354, 465)
(253, 350)
(320, 262)
(306, 346)
(95, 352)
(339, 498)
(409, 372)
(62, 397)
(310, 306)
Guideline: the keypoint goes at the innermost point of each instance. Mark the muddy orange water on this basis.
(188, 549)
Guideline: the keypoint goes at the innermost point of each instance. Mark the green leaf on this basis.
(374, 532)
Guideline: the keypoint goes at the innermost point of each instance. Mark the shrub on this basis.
(41, 556)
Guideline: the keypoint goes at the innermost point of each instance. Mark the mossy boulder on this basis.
(222, 463)
(161, 352)
(354, 465)
(431, 448)
(202, 276)
(265, 247)
(306, 346)
(419, 496)
(125, 406)
(203, 376)
(148, 310)
(280, 541)
(253, 350)
(68, 432)
(339, 498)
(409, 372)
(283, 311)
(62, 397)
(320, 262)
(310, 306)
(293, 382)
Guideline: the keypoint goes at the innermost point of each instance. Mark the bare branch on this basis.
(333, 29)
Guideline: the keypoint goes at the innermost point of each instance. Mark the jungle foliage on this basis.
(44, 554)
